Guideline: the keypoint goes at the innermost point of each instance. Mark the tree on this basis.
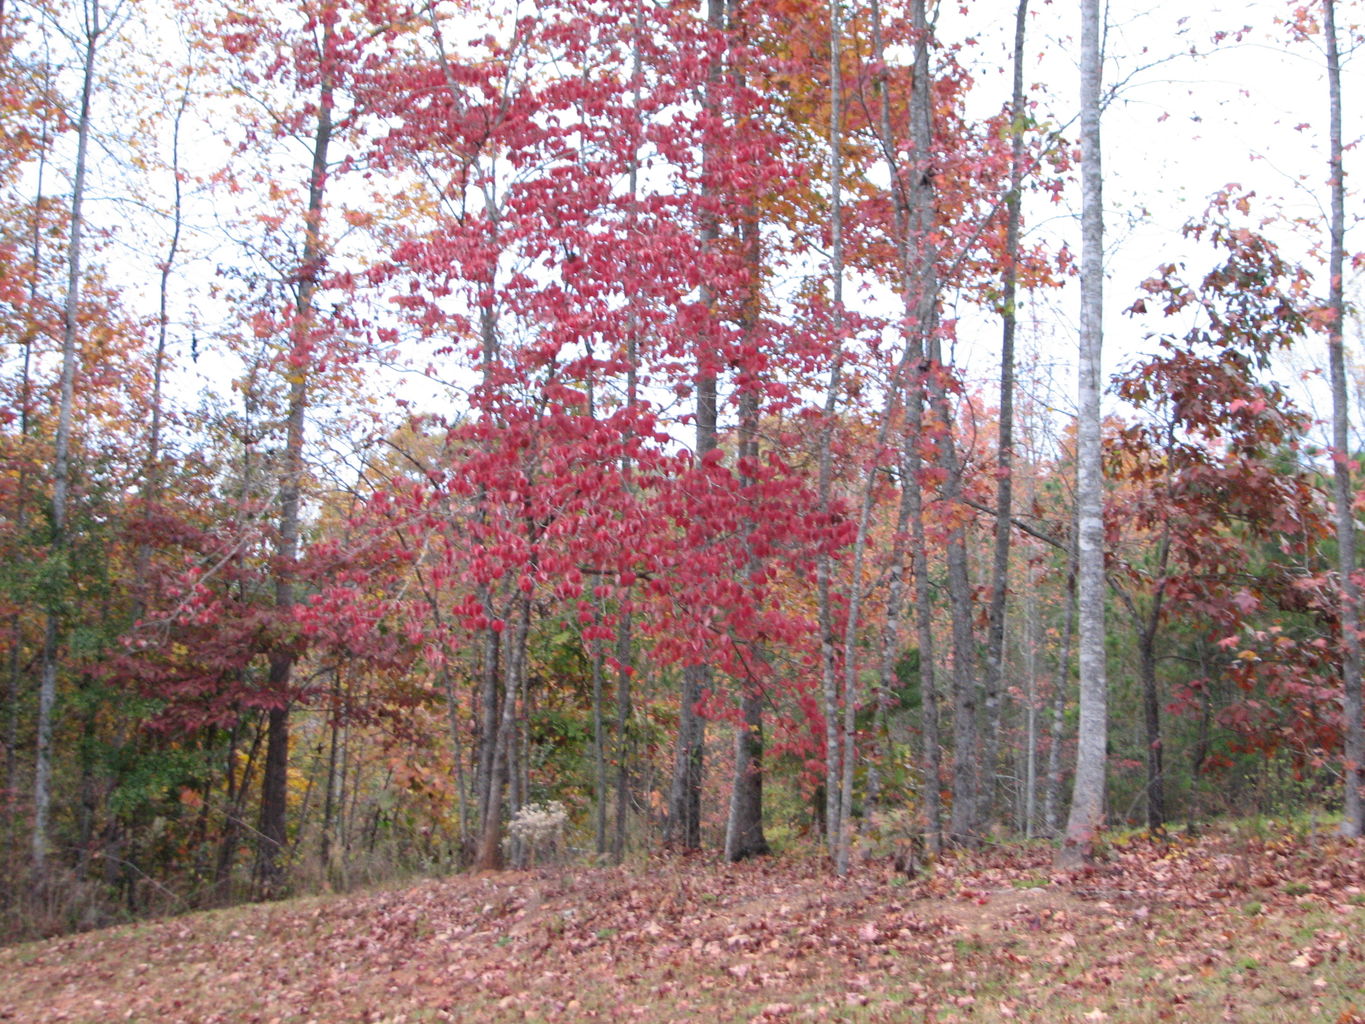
(1087, 798)
(1004, 494)
(1198, 479)
(99, 21)
(1352, 678)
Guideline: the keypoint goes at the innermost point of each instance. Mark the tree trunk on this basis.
(625, 642)
(490, 670)
(1087, 797)
(919, 296)
(824, 567)
(327, 846)
(744, 832)
(1030, 808)
(684, 799)
(1151, 718)
(489, 856)
(921, 218)
(1004, 496)
(599, 750)
(61, 464)
(274, 784)
(237, 786)
(1052, 795)
(15, 673)
(685, 793)
(624, 658)
(1353, 811)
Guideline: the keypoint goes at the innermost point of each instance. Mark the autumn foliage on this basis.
(504, 409)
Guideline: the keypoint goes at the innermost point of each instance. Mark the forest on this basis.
(439, 434)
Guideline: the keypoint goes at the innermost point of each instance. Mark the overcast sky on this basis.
(1178, 128)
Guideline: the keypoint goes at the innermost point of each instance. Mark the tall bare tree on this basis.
(684, 805)
(1004, 495)
(1087, 797)
(1353, 818)
(97, 21)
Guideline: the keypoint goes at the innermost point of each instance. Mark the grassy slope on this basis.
(1242, 928)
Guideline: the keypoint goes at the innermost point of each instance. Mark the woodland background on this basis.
(694, 530)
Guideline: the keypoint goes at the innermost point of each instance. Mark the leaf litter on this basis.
(1218, 928)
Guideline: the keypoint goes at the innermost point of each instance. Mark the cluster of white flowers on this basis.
(539, 825)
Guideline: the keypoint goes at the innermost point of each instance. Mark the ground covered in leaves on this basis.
(1234, 927)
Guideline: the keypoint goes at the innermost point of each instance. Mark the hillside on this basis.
(1246, 927)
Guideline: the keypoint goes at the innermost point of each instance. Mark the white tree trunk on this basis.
(95, 25)
(1087, 797)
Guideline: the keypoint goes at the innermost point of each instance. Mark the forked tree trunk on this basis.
(504, 768)
(96, 25)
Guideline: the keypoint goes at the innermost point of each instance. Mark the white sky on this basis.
(1179, 128)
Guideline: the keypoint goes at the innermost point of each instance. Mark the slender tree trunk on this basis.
(1151, 718)
(846, 760)
(599, 749)
(1004, 496)
(458, 756)
(744, 830)
(824, 568)
(625, 638)
(152, 473)
(1087, 797)
(95, 26)
(1147, 626)
(1030, 714)
(684, 799)
(489, 671)
(963, 823)
(624, 658)
(275, 783)
(930, 728)
(15, 674)
(744, 833)
(238, 783)
(1353, 818)
(1052, 795)
(327, 847)
(489, 856)
(685, 793)
(919, 295)
(921, 218)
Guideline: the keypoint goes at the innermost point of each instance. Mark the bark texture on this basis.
(1088, 791)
